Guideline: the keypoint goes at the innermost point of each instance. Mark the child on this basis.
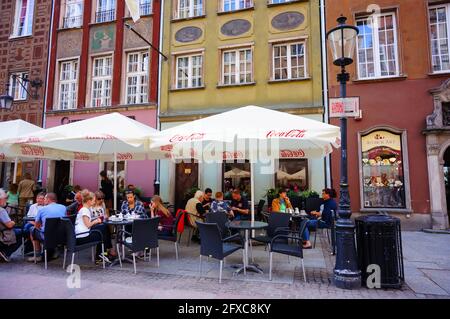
(219, 205)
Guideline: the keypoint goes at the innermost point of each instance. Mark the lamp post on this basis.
(342, 41)
(7, 100)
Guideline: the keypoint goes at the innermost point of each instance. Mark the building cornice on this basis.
(109, 109)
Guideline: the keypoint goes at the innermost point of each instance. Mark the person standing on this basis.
(107, 189)
(26, 189)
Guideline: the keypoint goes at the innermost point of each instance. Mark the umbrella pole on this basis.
(115, 181)
(15, 170)
(252, 187)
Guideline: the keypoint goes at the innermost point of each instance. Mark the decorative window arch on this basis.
(384, 170)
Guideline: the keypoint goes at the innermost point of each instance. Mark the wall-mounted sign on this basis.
(344, 107)
(188, 34)
(288, 20)
(235, 27)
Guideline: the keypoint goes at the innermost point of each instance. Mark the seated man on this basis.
(281, 203)
(325, 215)
(207, 199)
(239, 206)
(219, 205)
(32, 213)
(51, 210)
(7, 246)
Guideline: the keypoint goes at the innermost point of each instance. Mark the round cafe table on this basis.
(120, 224)
(247, 225)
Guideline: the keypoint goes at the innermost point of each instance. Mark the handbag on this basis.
(7, 235)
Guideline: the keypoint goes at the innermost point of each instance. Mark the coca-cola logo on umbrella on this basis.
(28, 140)
(100, 137)
(233, 155)
(81, 156)
(124, 156)
(296, 133)
(187, 138)
(292, 153)
(32, 150)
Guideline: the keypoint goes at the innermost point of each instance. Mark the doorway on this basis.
(186, 177)
(61, 179)
(447, 179)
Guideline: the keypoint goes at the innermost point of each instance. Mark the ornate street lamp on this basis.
(6, 100)
(342, 41)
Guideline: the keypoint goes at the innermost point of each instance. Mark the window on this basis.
(237, 66)
(439, 37)
(237, 175)
(17, 84)
(189, 8)
(382, 170)
(68, 85)
(106, 10)
(292, 174)
(145, 7)
(189, 71)
(377, 47)
(73, 17)
(23, 18)
(232, 5)
(289, 61)
(101, 81)
(137, 77)
(280, 1)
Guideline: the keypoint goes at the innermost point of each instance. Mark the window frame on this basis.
(237, 3)
(190, 9)
(107, 19)
(145, 3)
(376, 48)
(447, 14)
(28, 22)
(71, 81)
(103, 79)
(304, 160)
(288, 57)
(23, 95)
(190, 78)
(405, 156)
(137, 74)
(236, 75)
(66, 16)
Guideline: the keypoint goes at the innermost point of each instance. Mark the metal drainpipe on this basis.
(158, 123)
(44, 118)
(325, 85)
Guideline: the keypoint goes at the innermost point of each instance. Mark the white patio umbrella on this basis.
(250, 132)
(12, 129)
(107, 137)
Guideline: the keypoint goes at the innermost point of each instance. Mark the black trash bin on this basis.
(379, 242)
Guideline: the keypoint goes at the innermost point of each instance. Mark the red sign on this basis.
(344, 107)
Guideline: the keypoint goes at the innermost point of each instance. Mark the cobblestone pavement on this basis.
(180, 279)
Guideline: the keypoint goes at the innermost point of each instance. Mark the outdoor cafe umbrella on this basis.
(111, 136)
(12, 129)
(250, 132)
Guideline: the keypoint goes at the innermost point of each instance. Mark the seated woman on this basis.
(7, 247)
(326, 216)
(84, 223)
(195, 208)
(133, 205)
(99, 207)
(281, 203)
(166, 219)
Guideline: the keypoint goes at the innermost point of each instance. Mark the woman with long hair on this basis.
(157, 209)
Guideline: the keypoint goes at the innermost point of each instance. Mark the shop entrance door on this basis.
(61, 179)
(447, 179)
(186, 177)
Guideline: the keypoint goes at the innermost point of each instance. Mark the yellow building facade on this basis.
(225, 54)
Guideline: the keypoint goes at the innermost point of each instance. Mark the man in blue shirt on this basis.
(239, 206)
(50, 210)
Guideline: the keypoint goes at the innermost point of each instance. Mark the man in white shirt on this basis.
(40, 202)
